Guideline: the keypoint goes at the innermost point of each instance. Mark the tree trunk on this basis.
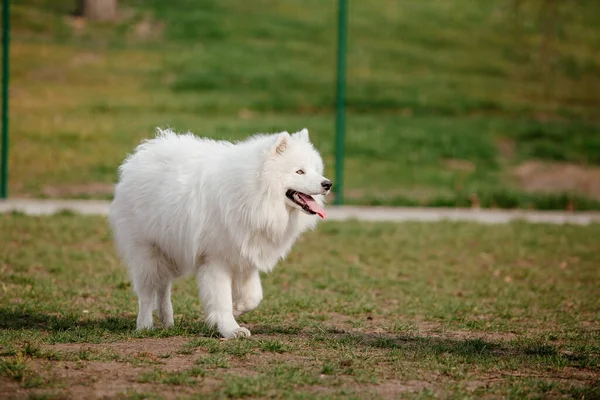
(100, 10)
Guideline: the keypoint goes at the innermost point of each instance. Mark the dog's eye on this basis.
(300, 172)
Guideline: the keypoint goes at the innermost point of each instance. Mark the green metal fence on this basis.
(341, 103)
(5, 65)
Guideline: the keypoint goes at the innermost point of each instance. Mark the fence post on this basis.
(5, 65)
(340, 104)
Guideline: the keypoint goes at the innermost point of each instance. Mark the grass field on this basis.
(450, 102)
(447, 310)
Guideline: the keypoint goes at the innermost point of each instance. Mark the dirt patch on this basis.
(387, 390)
(379, 325)
(568, 374)
(535, 176)
(337, 320)
(107, 379)
(102, 379)
(434, 329)
(341, 324)
(90, 189)
(156, 346)
(9, 388)
(392, 389)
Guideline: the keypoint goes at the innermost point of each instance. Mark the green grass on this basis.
(172, 378)
(358, 310)
(429, 83)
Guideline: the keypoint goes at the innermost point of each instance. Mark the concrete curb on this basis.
(390, 214)
(461, 214)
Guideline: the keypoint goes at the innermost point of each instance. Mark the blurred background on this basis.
(488, 103)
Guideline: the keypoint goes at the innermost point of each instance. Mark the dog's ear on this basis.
(281, 143)
(302, 135)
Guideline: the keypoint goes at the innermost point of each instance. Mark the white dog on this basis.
(222, 211)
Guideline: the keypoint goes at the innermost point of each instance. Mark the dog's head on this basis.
(298, 168)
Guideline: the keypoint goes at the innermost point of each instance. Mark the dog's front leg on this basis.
(247, 292)
(214, 285)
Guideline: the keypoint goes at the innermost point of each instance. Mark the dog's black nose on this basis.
(326, 184)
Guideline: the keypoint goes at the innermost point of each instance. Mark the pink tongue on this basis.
(313, 205)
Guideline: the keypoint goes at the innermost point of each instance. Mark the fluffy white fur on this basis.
(190, 205)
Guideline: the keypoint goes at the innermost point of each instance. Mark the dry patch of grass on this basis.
(535, 176)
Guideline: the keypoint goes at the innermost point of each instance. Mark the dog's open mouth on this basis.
(308, 204)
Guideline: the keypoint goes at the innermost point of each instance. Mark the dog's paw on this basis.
(144, 321)
(167, 322)
(240, 332)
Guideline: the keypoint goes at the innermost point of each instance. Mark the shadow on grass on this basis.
(17, 320)
(476, 350)
(471, 350)
(74, 328)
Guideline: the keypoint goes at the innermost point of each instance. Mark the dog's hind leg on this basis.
(247, 292)
(163, 303)
(214, 285)
(146, 300)
(150, 277)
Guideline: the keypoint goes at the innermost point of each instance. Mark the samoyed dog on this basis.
(222, 211)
